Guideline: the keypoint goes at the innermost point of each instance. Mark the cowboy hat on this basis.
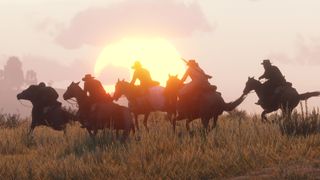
(192, 62)
(87, 77)
(136, 65)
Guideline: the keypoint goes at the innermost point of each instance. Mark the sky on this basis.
(61, 40)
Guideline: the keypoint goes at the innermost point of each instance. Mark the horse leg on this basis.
(215, 120)
(205, 123)
(65, 131)
(145, 121)
(187, 124)
(136, 121)
(31, 129)
(174, 121)
(117, 134)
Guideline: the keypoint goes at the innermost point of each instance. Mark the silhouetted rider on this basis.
(48, 98)
(191, 91)
(199, 79)
(143, 75)
(274, 78)
(272, 74)
(95, 90)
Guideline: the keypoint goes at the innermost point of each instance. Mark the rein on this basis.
(28, 106)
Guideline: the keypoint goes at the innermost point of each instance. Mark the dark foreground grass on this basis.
(240, 148)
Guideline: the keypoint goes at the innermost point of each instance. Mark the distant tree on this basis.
(13, 74)
(31, 77)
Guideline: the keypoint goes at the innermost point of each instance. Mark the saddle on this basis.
(49, 108)
(271, 96)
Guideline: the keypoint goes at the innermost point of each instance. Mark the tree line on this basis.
(12, 76)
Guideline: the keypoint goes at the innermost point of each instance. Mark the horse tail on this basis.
(308, 95)
(232, 105)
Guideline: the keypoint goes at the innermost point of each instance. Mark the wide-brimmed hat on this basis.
(192, 62)
(136, 65)
(87, 77)
(266, 61)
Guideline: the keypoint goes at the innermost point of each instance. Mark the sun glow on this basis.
(157, 55)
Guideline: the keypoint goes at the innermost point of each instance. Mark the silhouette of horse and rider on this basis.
(98, 111)
(276, 93)
(46, 108)
(196, 99)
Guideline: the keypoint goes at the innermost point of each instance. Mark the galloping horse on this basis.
(99, 116)
(56, 118)
(288, 99)
(208, 104)
(141, 104)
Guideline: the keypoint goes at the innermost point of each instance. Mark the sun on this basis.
(157, 55)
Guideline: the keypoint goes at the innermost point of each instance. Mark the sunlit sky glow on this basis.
(229, 38)
(157, 55)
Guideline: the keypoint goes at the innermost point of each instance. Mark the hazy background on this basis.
(61, 40)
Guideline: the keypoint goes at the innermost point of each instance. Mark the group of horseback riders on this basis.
(199, 83)
(188, 93)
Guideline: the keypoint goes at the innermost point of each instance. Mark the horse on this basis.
(208, 105)
(171, 93)
(99, 116)
(288, 99)
(55, 117)
(141, 104)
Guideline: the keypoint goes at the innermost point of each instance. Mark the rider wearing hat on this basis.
(272, 73)
(191, 91)
(95, 90)
(274, 78)
(143, 75)
(199, 79)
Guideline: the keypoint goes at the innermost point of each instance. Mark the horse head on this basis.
(29, 94)
(173, 84)
(121, 88)
(251, 84)
(73, 91)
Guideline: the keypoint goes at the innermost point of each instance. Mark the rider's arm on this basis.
(185, 76)
(263, 75)
(134, 78)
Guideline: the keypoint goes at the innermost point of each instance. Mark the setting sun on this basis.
(158, 55)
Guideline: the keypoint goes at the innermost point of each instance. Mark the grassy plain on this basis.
(240, 147)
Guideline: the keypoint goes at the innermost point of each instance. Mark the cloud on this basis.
(165, 18)
(307, 52)
(49, 26)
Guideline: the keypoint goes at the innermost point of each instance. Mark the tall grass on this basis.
(237, 148)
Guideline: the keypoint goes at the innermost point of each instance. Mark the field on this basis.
(240, 147)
